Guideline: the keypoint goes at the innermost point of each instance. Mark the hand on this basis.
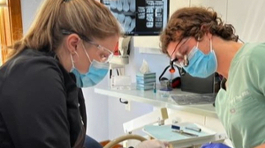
(152, 144)
(214, 145)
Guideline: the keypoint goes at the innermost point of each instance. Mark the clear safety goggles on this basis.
(103, 53)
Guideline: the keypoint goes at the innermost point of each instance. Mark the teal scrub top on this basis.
(241, 107)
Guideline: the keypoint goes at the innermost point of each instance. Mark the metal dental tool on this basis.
(185, 133)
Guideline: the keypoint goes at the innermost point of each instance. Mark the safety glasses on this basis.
(176, 57)
(103, 53)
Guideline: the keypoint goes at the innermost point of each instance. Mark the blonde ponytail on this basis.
(87, 18)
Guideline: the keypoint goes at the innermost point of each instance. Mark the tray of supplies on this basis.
(193, 99)
(187, 134)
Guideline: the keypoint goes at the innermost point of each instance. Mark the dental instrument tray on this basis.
(166, 133)
(193, 99)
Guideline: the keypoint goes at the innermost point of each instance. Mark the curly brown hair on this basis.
(195, 22)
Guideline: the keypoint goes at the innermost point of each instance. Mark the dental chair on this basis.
(124, 138)
(157, 116)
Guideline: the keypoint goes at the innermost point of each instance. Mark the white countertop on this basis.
(149, 97)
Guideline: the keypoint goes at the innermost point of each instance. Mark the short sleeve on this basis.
(250, 71)
(257, 69)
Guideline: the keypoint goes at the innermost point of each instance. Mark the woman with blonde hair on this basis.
(198, 41)
(66, 48)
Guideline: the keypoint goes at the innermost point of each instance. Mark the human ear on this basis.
(72, 42)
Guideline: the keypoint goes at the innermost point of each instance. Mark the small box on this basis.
(138, 87)
(120, 82)
(146, 75)
(145, 81)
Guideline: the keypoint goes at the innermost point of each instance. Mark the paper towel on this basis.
(144, 68)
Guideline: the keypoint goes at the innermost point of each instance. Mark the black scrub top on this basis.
(40, 104)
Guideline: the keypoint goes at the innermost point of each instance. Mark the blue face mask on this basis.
(201, 65)
(96, 72)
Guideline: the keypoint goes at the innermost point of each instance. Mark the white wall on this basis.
(29, 8)
(248, 18)
(97, 113)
